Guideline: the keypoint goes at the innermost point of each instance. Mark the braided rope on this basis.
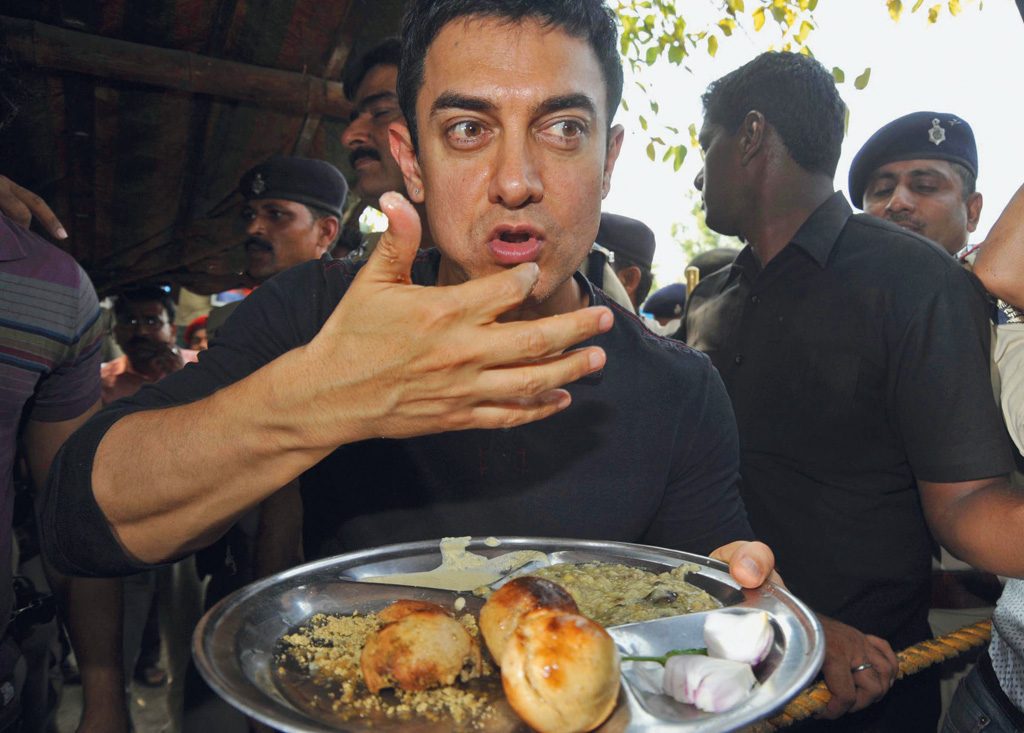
(913, 659)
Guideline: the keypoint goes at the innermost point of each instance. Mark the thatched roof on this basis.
(141, 115)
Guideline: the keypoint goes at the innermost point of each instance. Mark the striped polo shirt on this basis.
(50, 336)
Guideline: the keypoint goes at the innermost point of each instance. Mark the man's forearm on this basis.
(983, 528)
(1000, 262)
(244, 441)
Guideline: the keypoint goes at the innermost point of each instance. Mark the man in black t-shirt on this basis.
(511, 164)
(856, 357)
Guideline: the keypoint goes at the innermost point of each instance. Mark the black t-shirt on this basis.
(647, 452)
(855, 361)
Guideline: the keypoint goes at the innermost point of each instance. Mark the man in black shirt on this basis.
(856, 357)
(511, 163)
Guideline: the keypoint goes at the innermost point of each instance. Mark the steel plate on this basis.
(235, 642)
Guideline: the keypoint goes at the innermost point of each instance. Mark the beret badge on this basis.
(258, 185)
(936, 134)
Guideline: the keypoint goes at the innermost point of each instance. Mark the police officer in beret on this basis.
(631, 243)
(919, 171)
(292, 213)
(666, 306)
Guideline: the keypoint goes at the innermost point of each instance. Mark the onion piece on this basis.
(712, 685)
(740, 637)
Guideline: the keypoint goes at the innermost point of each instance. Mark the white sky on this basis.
(969, 65)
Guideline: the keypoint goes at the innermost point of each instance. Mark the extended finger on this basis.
(12, 206)
(527, 381)
(41, 211)
(391, 260)
(528, 341)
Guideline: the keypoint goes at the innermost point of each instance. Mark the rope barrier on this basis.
(815, 698)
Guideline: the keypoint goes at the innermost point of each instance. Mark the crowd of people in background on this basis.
(833, 400)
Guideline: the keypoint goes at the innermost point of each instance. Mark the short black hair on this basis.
(796, 95)
(386, 53)
(589, 20)
(144, 294)
(969, 180)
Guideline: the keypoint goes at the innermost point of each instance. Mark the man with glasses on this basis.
(144, 329)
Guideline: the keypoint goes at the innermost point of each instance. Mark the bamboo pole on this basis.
(60, 49)
(913, 659)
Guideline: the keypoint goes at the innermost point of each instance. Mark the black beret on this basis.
(919, 135)
(713, 260)
(627, 237)
(666, 302)
(311, 182)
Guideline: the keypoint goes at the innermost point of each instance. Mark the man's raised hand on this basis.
(408, 360)
(21, 205)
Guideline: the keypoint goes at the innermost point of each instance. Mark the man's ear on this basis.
(974, 203)
(630, 279)
(328, 226)
(404, 153)
(752, 135)
(615, 137)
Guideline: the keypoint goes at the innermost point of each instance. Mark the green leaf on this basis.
(650, 150)
(727, 25)
(735, 6)
(712, 45)
(838, 74)
(662, 660)
(954, 7)
(862, 81)
(917, 6)
(655, 107)
(680, 157)
(812, 5)
(676, 53)
(643, 123)
(759, 19)
(805, 30)
(673, 130)
(652, 55)
(933, 13)
(625, 104)
(895, 8)
(694, 141)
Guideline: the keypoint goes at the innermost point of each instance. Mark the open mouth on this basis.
(511, 245)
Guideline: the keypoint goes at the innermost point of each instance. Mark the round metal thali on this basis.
(236, 643)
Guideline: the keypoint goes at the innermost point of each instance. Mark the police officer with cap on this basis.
(666, 306)
(919, 172)
(292, 214)
(626, 247)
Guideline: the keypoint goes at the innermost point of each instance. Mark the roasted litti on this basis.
(560, 672)
(515, 599)
(403, 607)
(422, 649)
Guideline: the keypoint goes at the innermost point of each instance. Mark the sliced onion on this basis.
(741, 637)
(712, 685)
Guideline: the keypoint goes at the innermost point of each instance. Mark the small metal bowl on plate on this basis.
(236, 643)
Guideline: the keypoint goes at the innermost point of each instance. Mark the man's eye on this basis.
(381, 113)
(248, 215)
(467, 132)
(565, 133)
(879, 193)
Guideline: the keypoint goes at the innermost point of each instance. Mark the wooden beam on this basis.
(49, 47)
(335, 64)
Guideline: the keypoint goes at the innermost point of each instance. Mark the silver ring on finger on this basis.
(862, 667)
